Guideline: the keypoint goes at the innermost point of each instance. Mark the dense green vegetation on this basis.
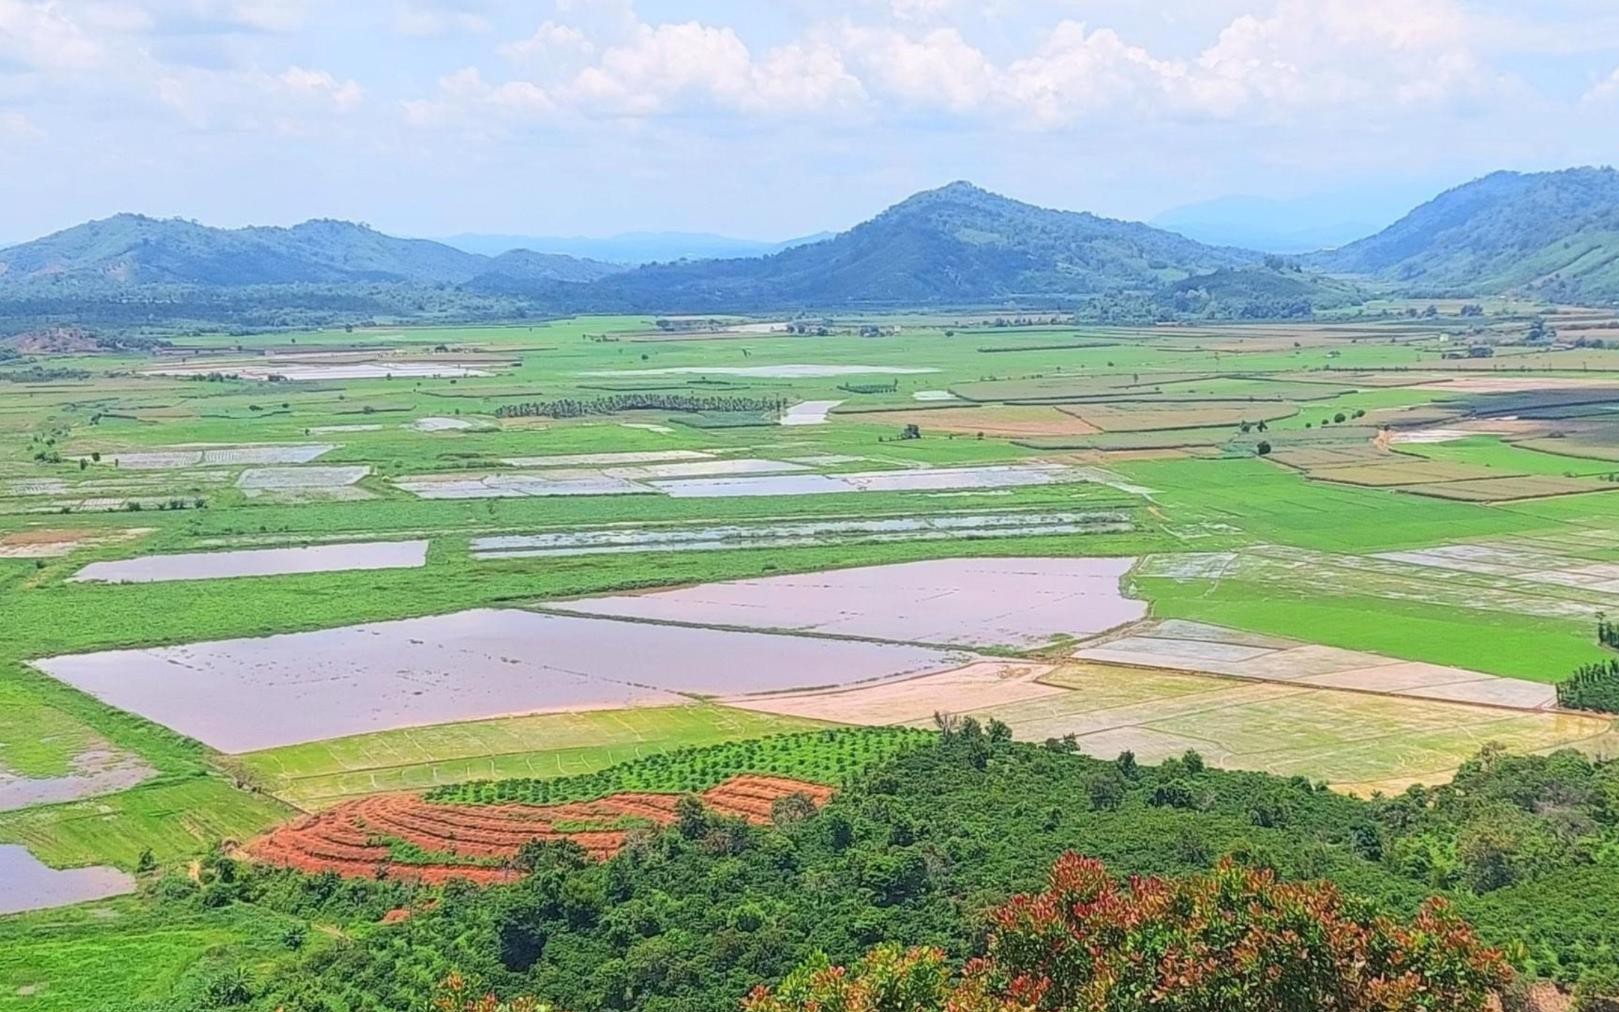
(1552, 233)
(1591, 687)
(918, 850)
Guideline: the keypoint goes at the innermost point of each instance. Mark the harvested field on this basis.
(913, 701)
(403, 836)
(258, 562)
(1397, 470)
(1116, 417)
(303, 482)
(1307, 457)
(1354, 741)
(1003, 421)
(1519, 384)
(51, 543)
(1004, 602)
(1186, 646)
(250, 694)
(1509, 489)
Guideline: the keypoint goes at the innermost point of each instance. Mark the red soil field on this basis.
(478, 842)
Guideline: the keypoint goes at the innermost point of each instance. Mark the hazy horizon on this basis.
(593, 118)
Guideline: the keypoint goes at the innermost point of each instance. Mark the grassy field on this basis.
(1207, 380)
(541, 746)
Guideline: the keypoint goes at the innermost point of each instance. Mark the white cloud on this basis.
(1604, 90)
(37, 34)
(550, 41)
(321, 85)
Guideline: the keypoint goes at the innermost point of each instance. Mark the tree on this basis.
(1232, 940)
(1263, 449)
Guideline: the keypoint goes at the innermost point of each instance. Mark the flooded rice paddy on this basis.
(247, 694)
(31, 885)
(258, 562)
(769, 371)
(809, 413)
(103, 770)
(966, 602)
(217, 456)
(730, 479)
(786, 535)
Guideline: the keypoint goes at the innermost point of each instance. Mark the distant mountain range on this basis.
(957, 245)
(631, 249)
(130, 250)
(1554, 234)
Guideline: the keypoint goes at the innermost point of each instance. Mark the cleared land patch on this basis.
(402, 836)
(1010, 421)
(258, 562)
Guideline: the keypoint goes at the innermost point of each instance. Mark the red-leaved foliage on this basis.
(1232, 940)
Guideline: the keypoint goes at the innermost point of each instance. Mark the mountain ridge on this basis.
(1551, 234)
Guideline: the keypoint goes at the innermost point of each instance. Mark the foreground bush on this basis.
(1233, 940)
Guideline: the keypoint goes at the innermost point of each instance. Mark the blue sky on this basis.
(773, 118)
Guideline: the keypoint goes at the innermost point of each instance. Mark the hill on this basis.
(1553, 234)
(631, 249)
(954, 245)
(130, 250)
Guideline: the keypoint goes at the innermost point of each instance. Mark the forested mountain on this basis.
(954, 245)
(130, 250)
(1554, 234)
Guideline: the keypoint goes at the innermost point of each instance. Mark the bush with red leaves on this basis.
(1232, 940)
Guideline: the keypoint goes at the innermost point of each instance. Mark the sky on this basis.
(776, 118)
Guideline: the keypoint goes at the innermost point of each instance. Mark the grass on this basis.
(116, 955)
(541, 746)
(828, 756)
(174, 819)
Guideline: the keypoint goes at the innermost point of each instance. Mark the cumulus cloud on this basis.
(1301, 55)
(320, 85)
(38, 35)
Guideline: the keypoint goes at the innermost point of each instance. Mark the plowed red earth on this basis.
(478, 842)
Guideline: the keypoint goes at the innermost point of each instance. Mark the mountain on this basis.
(1553, 234)
(631, 248)
(130, 250)
(955, 245)
(1275, 226)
